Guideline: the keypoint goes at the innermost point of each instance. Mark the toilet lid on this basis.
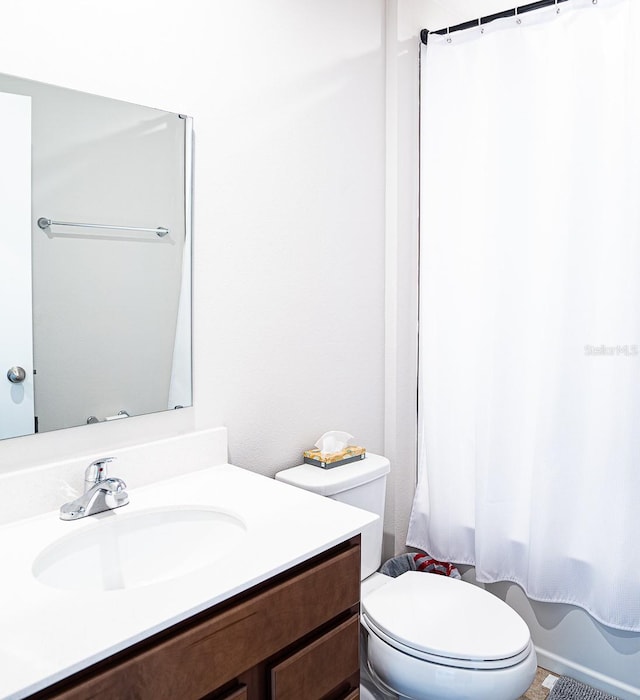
(446, 617)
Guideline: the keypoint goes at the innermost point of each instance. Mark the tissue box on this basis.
(329, 460)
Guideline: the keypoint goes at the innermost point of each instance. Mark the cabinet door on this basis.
(320, 668)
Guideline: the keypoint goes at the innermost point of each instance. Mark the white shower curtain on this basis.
(529, 373)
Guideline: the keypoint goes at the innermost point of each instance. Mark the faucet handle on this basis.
(96, 472)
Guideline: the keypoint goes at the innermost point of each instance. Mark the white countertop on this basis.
(47, 634)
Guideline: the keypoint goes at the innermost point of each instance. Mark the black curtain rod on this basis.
(424, 34)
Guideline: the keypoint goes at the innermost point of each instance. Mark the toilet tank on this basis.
(361, 484)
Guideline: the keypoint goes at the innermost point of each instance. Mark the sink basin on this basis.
(139, 549)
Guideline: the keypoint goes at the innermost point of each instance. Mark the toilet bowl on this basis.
(429, 637)
(425, 636)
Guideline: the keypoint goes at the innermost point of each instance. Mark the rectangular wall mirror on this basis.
(95, 264)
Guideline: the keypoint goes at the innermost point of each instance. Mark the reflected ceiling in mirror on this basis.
(96, 258)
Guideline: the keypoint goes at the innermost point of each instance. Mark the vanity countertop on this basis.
(47, 633)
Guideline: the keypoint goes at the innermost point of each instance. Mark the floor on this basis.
(536, 691)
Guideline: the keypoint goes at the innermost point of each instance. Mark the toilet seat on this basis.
(447, 622)
(444, 660)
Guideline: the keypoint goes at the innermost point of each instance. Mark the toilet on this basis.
(425, 636)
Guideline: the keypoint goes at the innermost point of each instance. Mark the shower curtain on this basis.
(529, 370)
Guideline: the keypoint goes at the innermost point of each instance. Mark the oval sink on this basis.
(139, 549)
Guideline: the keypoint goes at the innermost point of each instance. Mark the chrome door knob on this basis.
(16, 375)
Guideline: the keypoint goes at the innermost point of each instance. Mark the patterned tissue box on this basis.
(329, 460)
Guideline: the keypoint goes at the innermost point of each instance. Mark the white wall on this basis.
(288, 104)
(402, 270)
(438, 14)
(568, 640)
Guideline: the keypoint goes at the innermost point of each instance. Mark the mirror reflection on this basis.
(95, 272)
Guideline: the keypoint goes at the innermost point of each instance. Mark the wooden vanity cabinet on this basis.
(293, 637)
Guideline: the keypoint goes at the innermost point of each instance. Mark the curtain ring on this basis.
(448, 37)
(518, 20)
(480, 25)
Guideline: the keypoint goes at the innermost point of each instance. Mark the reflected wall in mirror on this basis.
(108, 301)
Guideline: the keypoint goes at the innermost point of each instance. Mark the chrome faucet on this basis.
(101, 492)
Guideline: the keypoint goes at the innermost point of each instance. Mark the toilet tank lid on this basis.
(328, 482)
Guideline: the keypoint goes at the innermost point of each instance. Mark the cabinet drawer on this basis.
(320, 667)
(206, 654)
(240, 694)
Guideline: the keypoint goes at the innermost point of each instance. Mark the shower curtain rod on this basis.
(424, 34)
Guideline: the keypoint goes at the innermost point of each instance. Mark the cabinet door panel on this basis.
(320, 667)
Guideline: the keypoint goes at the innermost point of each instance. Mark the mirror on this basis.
(95, 271)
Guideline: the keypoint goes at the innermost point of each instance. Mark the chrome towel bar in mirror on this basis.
(45, 223)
